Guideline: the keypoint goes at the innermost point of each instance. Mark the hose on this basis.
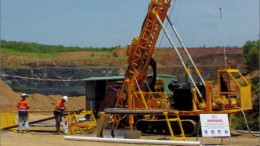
(256, 134)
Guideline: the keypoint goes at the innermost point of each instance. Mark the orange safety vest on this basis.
(59, 105)
(23, 105)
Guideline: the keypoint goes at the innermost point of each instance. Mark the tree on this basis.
(251, 58)
(251, 55)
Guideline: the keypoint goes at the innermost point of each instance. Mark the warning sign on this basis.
(214, 125)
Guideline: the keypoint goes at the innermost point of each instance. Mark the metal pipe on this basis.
(186, 51)
(183, 64)
(133, 141)
(127, 111)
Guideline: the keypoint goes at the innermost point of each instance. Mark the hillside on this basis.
(37, 72)
(166, 59)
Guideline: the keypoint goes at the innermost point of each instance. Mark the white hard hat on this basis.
(24, 95)
(66, 98)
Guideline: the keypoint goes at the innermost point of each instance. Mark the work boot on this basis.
(59, 132)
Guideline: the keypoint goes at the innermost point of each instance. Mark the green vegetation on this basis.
(34, 48)
(252, 116)
(251, 55)
(251, 58)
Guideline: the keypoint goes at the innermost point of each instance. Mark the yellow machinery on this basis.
(139, 58)
(164, 113)
(190, 100)
(76, 125)
(7, 119)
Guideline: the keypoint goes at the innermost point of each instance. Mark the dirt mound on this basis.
(8, 97)
(38, 102)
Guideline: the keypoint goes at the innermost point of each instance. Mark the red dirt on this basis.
(38, 102)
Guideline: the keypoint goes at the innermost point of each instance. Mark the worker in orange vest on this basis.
(59, 111)
(23, 106)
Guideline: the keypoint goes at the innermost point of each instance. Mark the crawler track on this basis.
(160, 127)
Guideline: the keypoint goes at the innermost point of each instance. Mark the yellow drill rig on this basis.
(189, 100)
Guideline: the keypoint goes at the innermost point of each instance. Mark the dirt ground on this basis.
(47, 139)
(45, 136)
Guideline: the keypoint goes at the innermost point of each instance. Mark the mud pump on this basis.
(190, 100)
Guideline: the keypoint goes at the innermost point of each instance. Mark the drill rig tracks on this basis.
(159, 126)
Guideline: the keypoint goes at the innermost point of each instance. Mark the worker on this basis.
(59, 111)
(23, 106)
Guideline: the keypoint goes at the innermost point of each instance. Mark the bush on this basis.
(251, 55)
(252, 116)
(251, 59)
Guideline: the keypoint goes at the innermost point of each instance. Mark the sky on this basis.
(109, 23)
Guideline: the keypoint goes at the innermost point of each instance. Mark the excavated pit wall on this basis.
(53, 80)
(68, 80)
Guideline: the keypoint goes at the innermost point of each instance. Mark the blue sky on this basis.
(107, 23)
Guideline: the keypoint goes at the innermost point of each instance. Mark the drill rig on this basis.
(137, 93)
